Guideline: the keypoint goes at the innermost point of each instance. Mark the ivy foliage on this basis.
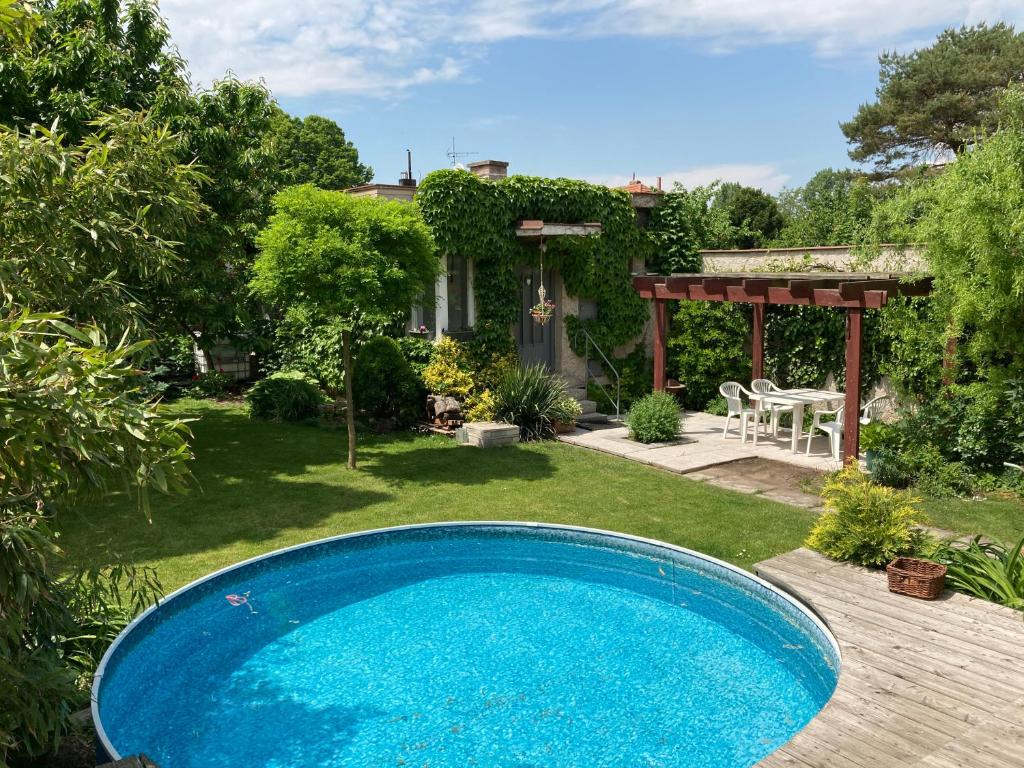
(476, 218)
(684, 223)
(709, 345)
(805, 344)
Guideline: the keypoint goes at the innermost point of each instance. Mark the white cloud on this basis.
(382, 47)
(762, 176)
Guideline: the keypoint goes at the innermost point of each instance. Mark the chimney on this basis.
(489, 169)
(405, 179)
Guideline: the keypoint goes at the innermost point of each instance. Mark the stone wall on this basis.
(835, 258)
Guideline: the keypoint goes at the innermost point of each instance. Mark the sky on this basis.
(690, 90)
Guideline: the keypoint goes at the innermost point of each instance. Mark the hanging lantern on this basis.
(543, 310)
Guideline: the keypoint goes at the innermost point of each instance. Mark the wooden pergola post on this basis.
(949, 362)
(660, 343)
(854, 292)
(757, 353)
(851, 425)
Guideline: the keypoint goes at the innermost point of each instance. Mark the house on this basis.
(452, 310)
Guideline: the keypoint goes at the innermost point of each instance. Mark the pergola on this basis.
(842, 290)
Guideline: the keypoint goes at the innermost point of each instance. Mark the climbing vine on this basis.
(476, 218)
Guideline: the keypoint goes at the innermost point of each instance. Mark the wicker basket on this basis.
(917, 578)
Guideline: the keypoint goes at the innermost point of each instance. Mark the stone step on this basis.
(577, 393)
(588, 406)
(592, 418)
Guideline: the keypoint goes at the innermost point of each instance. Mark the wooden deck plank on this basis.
(924, 684)
(969, 628)
(899, 619)
(996, 615)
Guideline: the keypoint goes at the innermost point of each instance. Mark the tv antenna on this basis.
(456, 157)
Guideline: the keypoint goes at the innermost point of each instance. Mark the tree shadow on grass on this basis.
(253, 481)
(407, 460)
(260, 486)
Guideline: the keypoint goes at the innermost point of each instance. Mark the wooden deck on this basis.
(931, 684)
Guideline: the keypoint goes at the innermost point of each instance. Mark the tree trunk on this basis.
(350, 410)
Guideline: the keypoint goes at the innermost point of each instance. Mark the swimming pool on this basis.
(489, 644)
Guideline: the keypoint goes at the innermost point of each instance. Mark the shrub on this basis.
(991, 571)
(303, 342)
(384, 382)
(417, 352)
(449, 371)
(655, 418)
(531, 399)
(480, 407)
(922, 466)
(177, 355)
(489, 368)
(212, 384)
(865, 523)
(286, 395)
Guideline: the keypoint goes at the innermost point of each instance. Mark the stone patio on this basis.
(702, 446)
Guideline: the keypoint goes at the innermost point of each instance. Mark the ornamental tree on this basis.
(974, 229)
(314, 150)
(754, 214)
(357, 260)
(937, 100)
(76, 414)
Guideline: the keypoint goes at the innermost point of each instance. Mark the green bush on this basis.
(864, 523)
(417, 351)
(448, 373)
(177, 355)
(302, 342)
(530, 398)
(212, 384)
(989, 570)
(655, 418)
(384, 382)
(285, 396)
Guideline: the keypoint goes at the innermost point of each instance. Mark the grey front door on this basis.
(536, 342)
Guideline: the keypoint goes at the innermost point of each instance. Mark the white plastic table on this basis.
(797, 398)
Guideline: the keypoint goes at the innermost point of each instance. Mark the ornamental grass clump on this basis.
(864, 523)
(655, 418)
(532, 399)
(986, 569)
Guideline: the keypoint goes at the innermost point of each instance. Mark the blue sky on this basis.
(743, 90)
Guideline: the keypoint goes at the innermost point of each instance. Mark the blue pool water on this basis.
(468, 645)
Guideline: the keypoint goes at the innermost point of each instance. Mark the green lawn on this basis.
(264, 486)
(997, 518)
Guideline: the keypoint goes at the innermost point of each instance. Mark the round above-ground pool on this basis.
(498, 645)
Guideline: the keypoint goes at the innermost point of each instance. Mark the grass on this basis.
(994, 517)
(263, 486)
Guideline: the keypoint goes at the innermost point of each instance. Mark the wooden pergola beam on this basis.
(850, 291)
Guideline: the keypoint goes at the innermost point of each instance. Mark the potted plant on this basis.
(564, 415)
(874, 437)
(542, 311)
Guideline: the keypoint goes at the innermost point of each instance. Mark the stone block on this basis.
(487, 434)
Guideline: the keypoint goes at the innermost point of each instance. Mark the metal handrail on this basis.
(608, 363)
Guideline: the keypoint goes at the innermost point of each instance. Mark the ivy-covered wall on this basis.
(476, 218)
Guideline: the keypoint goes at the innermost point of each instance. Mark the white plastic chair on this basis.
(874, 409)
(834, 429)
(732, 391)
(764, 386)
